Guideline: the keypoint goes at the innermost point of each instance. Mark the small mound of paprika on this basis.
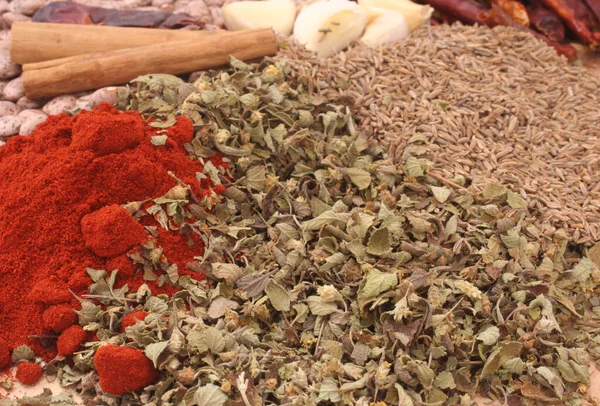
(111, 231)
(123, 369)
(29, 373)
(70, 340)
(59, 317)
(132, 318)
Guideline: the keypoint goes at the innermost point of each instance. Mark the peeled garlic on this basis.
(414, 14)
(328, 26)
(277, 14)
(389, 26)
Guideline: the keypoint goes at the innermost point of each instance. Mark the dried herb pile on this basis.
(338, 274)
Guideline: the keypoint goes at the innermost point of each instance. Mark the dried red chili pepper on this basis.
(465, 10)
(594, 6)
(74, 13)
(546, 21)
(568, 11)
(515, 9)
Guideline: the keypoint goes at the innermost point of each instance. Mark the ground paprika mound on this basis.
(111, 231)
(123, 369)
(132, 318)
(29, 373)
(68, 170)
(70, 340)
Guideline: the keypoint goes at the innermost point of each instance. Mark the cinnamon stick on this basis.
(36, 42)
(116, 67)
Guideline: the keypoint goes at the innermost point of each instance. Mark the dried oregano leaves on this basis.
(338, 275)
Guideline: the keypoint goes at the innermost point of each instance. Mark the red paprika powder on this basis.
(59, 317)
(4, 355)
(123, 369)
(60, 192)
(29, 373)
(70, 340)
(132, 318)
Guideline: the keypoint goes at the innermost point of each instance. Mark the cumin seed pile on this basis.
(490, 104)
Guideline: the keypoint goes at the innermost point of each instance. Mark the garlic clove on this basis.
(389, 26)
(327, 27)
(414, 14)
(276, 14)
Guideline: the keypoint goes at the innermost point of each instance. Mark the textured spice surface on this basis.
(491, 105)
(50, 181)
(29, 373)
(123, 369)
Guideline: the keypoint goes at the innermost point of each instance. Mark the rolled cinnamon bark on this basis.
(116, 67)
(36, 42)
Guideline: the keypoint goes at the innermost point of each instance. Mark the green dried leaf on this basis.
(22, 353)
(494, 191)
(279, 297)
(499, 356)
(445, 380)
(516, 201)
(205, 339)
(375, 283)
(158, 140)
(230, 273)
(320, 307)
(210, 395)
(154, 350)
(441, 194)
(360, 178)
(379, 243)
(489, 336)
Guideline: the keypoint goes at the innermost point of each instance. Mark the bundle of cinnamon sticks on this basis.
(550, 20)
(69, 58)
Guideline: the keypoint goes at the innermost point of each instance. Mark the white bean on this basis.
(8, 70)
(10, 18)
(60, 104)
(10, 125)
(14, 90)
(24, 103)
(8, 108)
(26, 7)
(30, 123)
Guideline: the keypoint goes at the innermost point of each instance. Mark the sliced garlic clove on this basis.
(327, 27)
(415, 14)
(389, 26)
(276, 14)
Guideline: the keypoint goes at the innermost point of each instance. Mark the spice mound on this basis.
(61, 191)
(123, 369)
(29, 373)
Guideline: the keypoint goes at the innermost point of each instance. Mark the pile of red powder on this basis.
(60, 195)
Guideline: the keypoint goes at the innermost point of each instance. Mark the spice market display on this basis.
(283, 202)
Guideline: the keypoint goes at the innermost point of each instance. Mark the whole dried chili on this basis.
(515, 9)
(546, 21)
(568, 10)
(75, 13)
(594, 6)
(72, 168)
(123, 369)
